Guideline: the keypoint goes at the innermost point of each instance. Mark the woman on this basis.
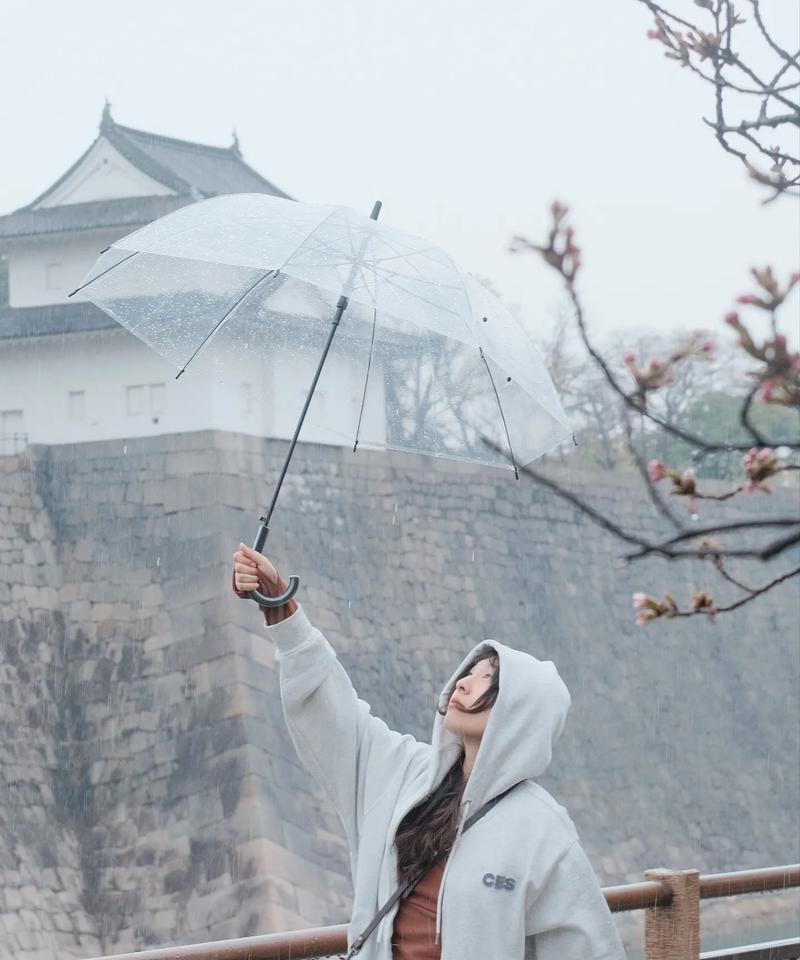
(514, 886)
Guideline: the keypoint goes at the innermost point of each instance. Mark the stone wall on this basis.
(150, 794)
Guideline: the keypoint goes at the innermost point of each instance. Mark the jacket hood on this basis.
(523, 727)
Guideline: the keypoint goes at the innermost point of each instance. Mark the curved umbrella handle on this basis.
(294, 582)
(264, 601)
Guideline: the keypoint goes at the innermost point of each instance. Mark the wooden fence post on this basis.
(673, 932)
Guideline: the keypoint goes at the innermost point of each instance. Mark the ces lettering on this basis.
(498, 881)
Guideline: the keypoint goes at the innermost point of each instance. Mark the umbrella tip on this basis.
(180, 373)
(376, 210)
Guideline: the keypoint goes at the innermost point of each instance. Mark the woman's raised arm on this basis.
(350, 753)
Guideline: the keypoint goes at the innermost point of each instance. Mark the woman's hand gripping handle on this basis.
(254, 577)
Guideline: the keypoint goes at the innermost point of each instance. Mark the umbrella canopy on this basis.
(440, 362)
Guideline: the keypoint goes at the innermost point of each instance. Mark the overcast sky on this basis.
(466, 118)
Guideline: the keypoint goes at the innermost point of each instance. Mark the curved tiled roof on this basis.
(95, 215)
(73, 317)
(191, 167)
(192, 171)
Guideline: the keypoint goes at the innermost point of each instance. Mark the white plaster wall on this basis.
(333, 414)
(46, 271)
(38, 375)
(104, 175)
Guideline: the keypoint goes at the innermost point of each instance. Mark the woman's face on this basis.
(466, 693)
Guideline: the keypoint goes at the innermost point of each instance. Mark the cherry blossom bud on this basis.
(703, 601)
(767, 391)
(732, 319)
(640, 600)
(656, 470)
(629, 359)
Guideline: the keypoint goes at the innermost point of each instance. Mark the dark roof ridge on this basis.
(172, 141)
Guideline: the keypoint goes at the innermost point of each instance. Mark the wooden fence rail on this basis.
(670, 899)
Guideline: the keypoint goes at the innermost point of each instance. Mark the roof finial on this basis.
(106, 120)
(235, 145)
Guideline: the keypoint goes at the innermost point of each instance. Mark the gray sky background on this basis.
(467, 119)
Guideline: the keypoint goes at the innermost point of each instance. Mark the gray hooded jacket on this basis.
(517, 886)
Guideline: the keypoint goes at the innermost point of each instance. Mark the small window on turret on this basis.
(76, 405)
(158, 399)
(135, 400)
(3, 280)
(52, 276)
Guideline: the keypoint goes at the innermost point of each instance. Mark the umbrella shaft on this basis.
(341, 306)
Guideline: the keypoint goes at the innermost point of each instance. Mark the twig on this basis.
(713, 611)
(664, 546)
(653, 492)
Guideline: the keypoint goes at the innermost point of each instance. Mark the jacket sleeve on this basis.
(352, 755)
(570, 919)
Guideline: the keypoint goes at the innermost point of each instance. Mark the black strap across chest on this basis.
(405, 890)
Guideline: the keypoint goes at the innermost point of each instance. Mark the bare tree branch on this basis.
(713, 611)
(690, 45)
(663, 548)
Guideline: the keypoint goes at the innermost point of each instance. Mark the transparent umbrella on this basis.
(443, 368)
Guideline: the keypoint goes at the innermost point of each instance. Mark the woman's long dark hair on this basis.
(428, 830)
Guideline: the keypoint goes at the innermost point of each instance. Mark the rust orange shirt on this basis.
(415, 921)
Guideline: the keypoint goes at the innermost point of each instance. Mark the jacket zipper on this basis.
(384, 924)
(464, 814)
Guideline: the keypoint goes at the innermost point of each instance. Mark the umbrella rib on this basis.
(226, 316)
(366, 379)
(107, 270)
(502, 415)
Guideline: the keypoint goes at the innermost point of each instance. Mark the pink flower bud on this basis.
(656, 470)
(640, 601)
(748, 298)
(629, 359)
(767, 391)
(732, 318)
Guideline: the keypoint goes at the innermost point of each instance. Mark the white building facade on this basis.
(69, 373)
